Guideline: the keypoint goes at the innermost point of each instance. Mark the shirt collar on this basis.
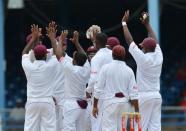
(118, 61)
(103, 49)
(39, 61)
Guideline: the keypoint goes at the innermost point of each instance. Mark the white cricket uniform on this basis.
(40, 108)
(102, 57)
(149, 67)
(76, 78)
(115, 77)
(59, 89)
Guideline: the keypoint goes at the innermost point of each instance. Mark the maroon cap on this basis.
(149, 43)
(113, 41)
(40, 51)
(118, 51)
(91, 49)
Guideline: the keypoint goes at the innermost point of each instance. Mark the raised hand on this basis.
(36, 32)
(128, 36)
(51, 30)
(63, 36)
(126, 16)
(75, 38)
(145, 21)
(144, 18)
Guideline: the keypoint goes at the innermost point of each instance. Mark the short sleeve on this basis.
(137, 54)
(159, 51)
(26, 62)
(66, 64)
(32, 56)
(52, 61)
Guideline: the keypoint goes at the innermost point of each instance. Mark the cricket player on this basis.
(59, 83)
(40, 107)
(102, 57)
(91, 52)
(77, 74)
(149, 64)
(117, 82)
(112, 42)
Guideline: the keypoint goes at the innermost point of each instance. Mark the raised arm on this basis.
(60, 52)
(145, 21)
(127, 34)
(36, 33)
(75, 41)
(51, 33)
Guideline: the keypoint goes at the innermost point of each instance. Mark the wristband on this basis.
(124, 23)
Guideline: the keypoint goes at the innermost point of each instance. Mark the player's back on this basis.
(40, 75)
(118, 78)
(148, 73)
(76, 79)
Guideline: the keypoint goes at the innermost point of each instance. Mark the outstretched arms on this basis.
(127, 34)
(36, 33)
(144, 20)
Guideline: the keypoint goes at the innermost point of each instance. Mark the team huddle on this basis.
(91, 90)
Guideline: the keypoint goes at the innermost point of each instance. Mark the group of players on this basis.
(90, 91)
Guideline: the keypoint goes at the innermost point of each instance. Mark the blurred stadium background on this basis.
(168, 19)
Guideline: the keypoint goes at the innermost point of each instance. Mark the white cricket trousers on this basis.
(40, 116)
(88, 117)
(59, 118)
(112, 116)
(96, 123)
(74, 116)
(59, 111)
(151, 114)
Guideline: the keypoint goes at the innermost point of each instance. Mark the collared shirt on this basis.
(102, 57)
(116, 77)
(40, 76)
(149, 67)
(76, 78)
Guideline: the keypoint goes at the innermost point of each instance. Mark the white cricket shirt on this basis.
(102, 57)
(76, 78)
(59, 83)
(40, 76)
(116, 77)
(149, 67)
